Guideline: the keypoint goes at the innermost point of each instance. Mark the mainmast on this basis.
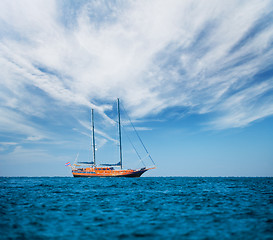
(119, 130)
(93, 137)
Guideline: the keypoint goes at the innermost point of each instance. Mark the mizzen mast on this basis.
(93, 137)
(119, 130)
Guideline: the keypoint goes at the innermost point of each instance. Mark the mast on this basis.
(119, 130)
(93, 137)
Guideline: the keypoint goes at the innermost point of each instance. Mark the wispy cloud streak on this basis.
(203, 56)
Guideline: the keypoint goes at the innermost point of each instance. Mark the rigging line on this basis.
(136, 165)
(138, 135)
(76, 159)
(133, 146)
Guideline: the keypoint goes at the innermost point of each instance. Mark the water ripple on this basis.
(148, 208)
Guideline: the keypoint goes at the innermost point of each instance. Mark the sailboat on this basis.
(92, 169)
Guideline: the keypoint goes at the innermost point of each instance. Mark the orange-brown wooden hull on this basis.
(109, 173)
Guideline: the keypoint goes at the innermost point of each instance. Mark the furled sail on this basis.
(109, 164)
(86, 162)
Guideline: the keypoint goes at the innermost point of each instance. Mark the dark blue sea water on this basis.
(147, 208)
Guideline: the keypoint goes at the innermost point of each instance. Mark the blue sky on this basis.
(195, 77)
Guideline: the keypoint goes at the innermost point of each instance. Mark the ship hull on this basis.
(130, 174)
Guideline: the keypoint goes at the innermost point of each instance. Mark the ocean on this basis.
(136, 208)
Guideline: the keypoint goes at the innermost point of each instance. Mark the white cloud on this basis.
(142, 129)
(5, 145)
(34, 138)
(153, 54)
(102, 134)
(245, 107)
(8, 143)
(23, 162)
(11, 121)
